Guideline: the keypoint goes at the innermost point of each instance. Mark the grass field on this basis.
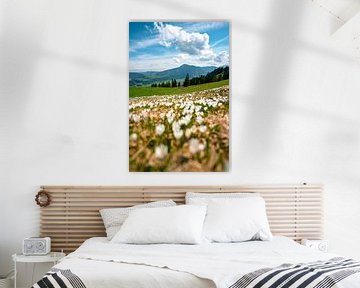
(150, 91)
(180, 133)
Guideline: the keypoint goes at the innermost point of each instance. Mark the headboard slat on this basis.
(73, 216)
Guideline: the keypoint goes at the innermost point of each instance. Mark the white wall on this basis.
(63, 87)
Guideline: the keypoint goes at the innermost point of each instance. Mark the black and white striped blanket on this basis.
(320, 274)
(57, 278)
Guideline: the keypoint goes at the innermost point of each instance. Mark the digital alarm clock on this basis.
(36, 246)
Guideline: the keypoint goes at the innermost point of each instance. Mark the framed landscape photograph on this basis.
(179, 96)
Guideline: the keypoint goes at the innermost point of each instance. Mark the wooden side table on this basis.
(53, 257)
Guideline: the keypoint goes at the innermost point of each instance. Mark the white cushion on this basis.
(181, 224)
(204, 198)
(113, 218)
(236, 220)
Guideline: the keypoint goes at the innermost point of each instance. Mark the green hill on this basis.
(179, 73)
(150, 91)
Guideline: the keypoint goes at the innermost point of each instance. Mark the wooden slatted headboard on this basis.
(73, 215)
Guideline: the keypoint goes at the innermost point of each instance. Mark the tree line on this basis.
(172, 83)
(221, 73)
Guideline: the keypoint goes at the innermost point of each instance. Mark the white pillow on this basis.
(113, 218)
(204, 198)
(180, 224)
(236, 220)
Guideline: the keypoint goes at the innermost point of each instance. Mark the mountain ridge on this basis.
(178, 73)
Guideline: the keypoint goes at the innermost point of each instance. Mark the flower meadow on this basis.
(180, 133)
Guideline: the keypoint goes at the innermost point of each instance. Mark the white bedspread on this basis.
(102, 264)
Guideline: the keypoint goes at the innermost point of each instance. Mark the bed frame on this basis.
(73, 215)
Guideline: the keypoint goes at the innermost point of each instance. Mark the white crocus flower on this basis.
(199, 119)
(133, 137)
(188, 132)
(185, 120)
(202, 128)
(144, 114)
(202, 146)
(194, 145)
(175, 126)
(159, 130)
(170, 116)
(161, 151)
(135, 118)
(178, 132)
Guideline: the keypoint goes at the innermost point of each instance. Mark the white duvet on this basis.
(100, 263)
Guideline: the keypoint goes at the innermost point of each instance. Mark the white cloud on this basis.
(150, 29)
(222, 57)
(213, 59)
(205, 26)
(193, 43)
(151, 63)
(194, 47)
(181, 58)
(135, 45)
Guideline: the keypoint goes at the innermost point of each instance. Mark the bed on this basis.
(99, 263)
(294, 212)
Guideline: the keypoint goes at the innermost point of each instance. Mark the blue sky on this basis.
(157, 46)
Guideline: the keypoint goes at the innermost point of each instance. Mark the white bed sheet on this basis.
(100, 263)
(101, 274)
(106, 274)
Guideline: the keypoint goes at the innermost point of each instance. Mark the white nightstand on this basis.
(320, 245)
(53, 257)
